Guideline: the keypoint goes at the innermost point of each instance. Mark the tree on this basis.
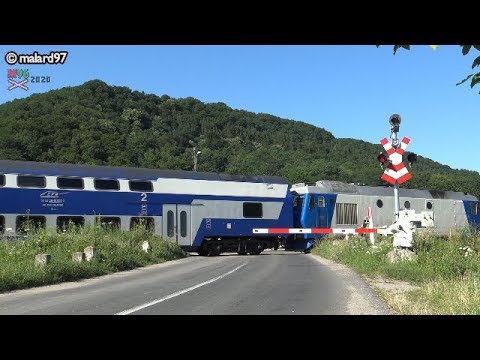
(475, 77)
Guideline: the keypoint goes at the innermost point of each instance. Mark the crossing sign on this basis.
(396, 169)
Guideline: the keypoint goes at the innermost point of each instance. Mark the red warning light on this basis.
(411, 158)
(382, 158)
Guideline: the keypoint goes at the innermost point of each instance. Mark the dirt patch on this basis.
(391, 286)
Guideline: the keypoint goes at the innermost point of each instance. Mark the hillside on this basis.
(106, 125)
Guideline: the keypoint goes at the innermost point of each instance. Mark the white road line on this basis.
(178, 293)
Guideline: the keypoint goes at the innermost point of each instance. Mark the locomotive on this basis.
(332, 204)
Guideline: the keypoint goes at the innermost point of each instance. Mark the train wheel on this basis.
(202, 251)
(242, 248)
(215, 250)
(255, 249)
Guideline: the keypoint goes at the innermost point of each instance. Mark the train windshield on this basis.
(298, 201)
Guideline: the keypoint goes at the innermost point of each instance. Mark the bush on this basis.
(116, 251)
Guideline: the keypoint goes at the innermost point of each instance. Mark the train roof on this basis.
(338, 187)
(118, 172)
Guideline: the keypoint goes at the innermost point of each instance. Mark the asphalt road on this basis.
(272, 283)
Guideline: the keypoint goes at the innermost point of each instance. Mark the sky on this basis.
(348, 90)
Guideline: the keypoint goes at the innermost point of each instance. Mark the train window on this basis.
(2, 180)
(429, 205)
(311, 202)
(407, 204)
(109, 222)
(346, 214)
(331, 201)
(69, 183)
(474, 208)
(183, 223)
(146, 222)
(31, 181)
(298, 200)
(144, 186)
(252, 210)
(321, 202)
(106, 184)
(29, 224)
(2, 224)
(65, 222)
(379, 203)
(170, 223)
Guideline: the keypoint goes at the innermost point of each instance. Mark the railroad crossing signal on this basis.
(412, 157)
(396, 169)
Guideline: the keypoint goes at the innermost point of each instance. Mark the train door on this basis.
(310, 217)
(322, 212)
(176, 221)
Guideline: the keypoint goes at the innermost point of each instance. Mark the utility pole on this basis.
(195, 153)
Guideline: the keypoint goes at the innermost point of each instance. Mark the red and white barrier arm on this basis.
(279, 231)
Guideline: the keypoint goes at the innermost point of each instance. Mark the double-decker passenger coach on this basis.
(204, 212)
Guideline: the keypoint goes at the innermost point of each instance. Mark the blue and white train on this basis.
(204, 212)
(335, 204)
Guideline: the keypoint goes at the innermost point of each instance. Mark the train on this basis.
(205, 212)
(336, 204)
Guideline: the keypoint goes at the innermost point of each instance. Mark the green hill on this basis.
(106, 125)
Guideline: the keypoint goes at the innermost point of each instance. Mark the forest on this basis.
(95, 123)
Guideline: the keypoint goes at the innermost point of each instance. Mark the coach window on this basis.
(407, 204)
(429, 205)
(2, 180)
(170, 223)
(379, 203)
(252, 210)
(2, 224)
(143, 186)
(146, 222)
(69, 183)
(321, 202)
(311, 202)
(66, 222)
(31, 181)
(109, 222)
(474, 208)
(183, 224)
(106, 184)
(29, 224)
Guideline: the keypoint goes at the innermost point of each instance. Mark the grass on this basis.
(447, 270)
(116, 251)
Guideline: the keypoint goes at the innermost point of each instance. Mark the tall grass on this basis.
(116, 251)
(447, 269)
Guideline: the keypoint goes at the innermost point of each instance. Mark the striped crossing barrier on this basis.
(279, 231)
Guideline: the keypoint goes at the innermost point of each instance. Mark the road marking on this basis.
(178, 293)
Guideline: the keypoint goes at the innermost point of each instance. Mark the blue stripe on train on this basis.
(41, 201)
